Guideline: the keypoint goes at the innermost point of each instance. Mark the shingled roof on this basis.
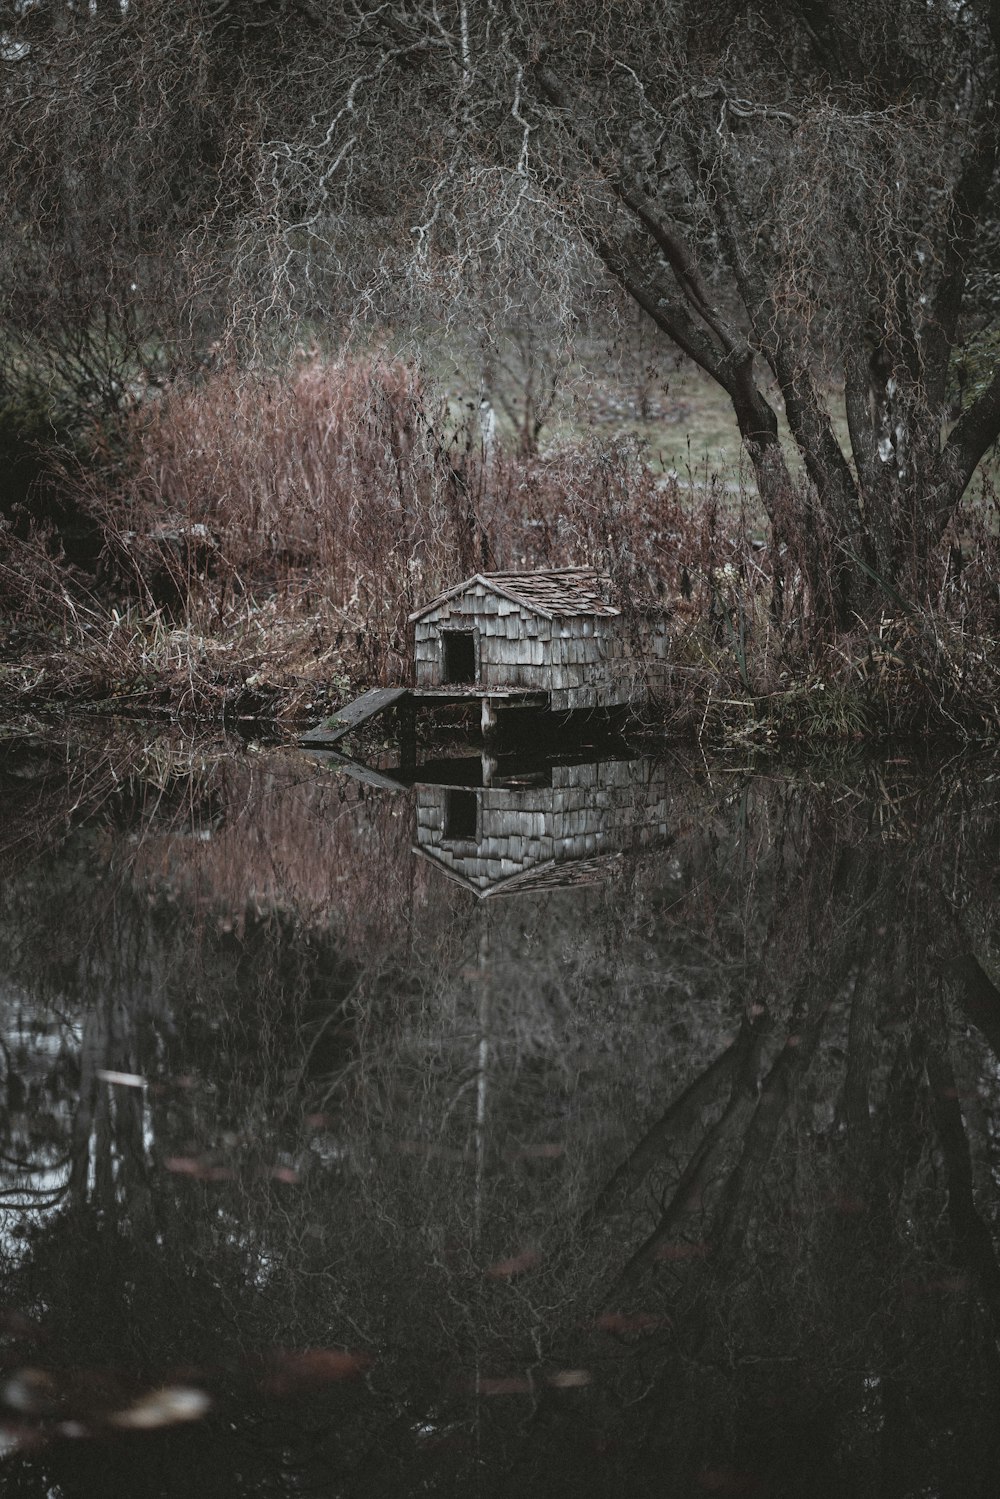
(554, 594)
(551, 874)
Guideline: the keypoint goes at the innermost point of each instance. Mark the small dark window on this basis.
(459, 656)
(461, 810)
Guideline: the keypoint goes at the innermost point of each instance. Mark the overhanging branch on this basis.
(974, 434)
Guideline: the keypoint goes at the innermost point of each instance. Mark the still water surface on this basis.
(626, 1127)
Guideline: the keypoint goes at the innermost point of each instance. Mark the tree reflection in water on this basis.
(323, 1174)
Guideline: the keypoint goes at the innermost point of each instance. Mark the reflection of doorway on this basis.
(461, 814)
(459, 656)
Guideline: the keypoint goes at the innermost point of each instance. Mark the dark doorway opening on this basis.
(461, 814)
(459, 656)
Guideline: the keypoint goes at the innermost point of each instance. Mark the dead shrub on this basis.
(292, 521)
(267, 535)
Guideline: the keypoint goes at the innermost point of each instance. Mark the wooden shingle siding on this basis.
(585, 657)
(588, 810)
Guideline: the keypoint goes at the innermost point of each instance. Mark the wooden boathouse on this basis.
(559, 634)
(556, 639)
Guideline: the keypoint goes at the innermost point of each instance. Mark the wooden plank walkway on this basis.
(522, 697)
(352, 714)
(355, 769)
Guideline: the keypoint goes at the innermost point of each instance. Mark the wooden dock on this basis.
(352, 715)
(370, 704)
(554, 639)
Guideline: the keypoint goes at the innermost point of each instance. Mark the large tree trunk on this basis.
(862, 529)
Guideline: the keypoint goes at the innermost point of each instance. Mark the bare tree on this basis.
(792, 201)
(522, 375)
(787, 202)
(784, 201)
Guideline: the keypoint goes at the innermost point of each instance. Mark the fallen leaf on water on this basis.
(183, 1165)
(166, 1407)
(568, 1379)
(504, 1384)
(621, 1322)
(284, 1174)
(33, 1392)
(517, 1265)
(74, 1430)
(536, 1153)
(294, 1373)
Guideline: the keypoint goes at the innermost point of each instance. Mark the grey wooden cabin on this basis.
(568, 830)
(557, 638)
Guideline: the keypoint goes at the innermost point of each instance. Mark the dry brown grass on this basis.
(265, 538)
(273, 533)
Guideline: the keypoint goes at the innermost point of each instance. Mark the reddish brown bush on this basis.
(267, 535)
(341, 495)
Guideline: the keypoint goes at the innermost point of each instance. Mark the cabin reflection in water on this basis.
(560, 826)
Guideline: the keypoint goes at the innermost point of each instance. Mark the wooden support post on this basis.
(489, 720)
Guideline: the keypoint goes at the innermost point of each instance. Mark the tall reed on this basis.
(266, 536)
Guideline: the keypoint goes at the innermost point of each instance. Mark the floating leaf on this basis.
(528, 1259)
(183, 1165)
(625, 1322)
(569, 1379)
(295, 1373)
(167, 1407)
(284, 1174)
(503, 1384)
(542, 1152)
(33, 1392)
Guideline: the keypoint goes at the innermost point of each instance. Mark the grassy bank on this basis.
(262, 541)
